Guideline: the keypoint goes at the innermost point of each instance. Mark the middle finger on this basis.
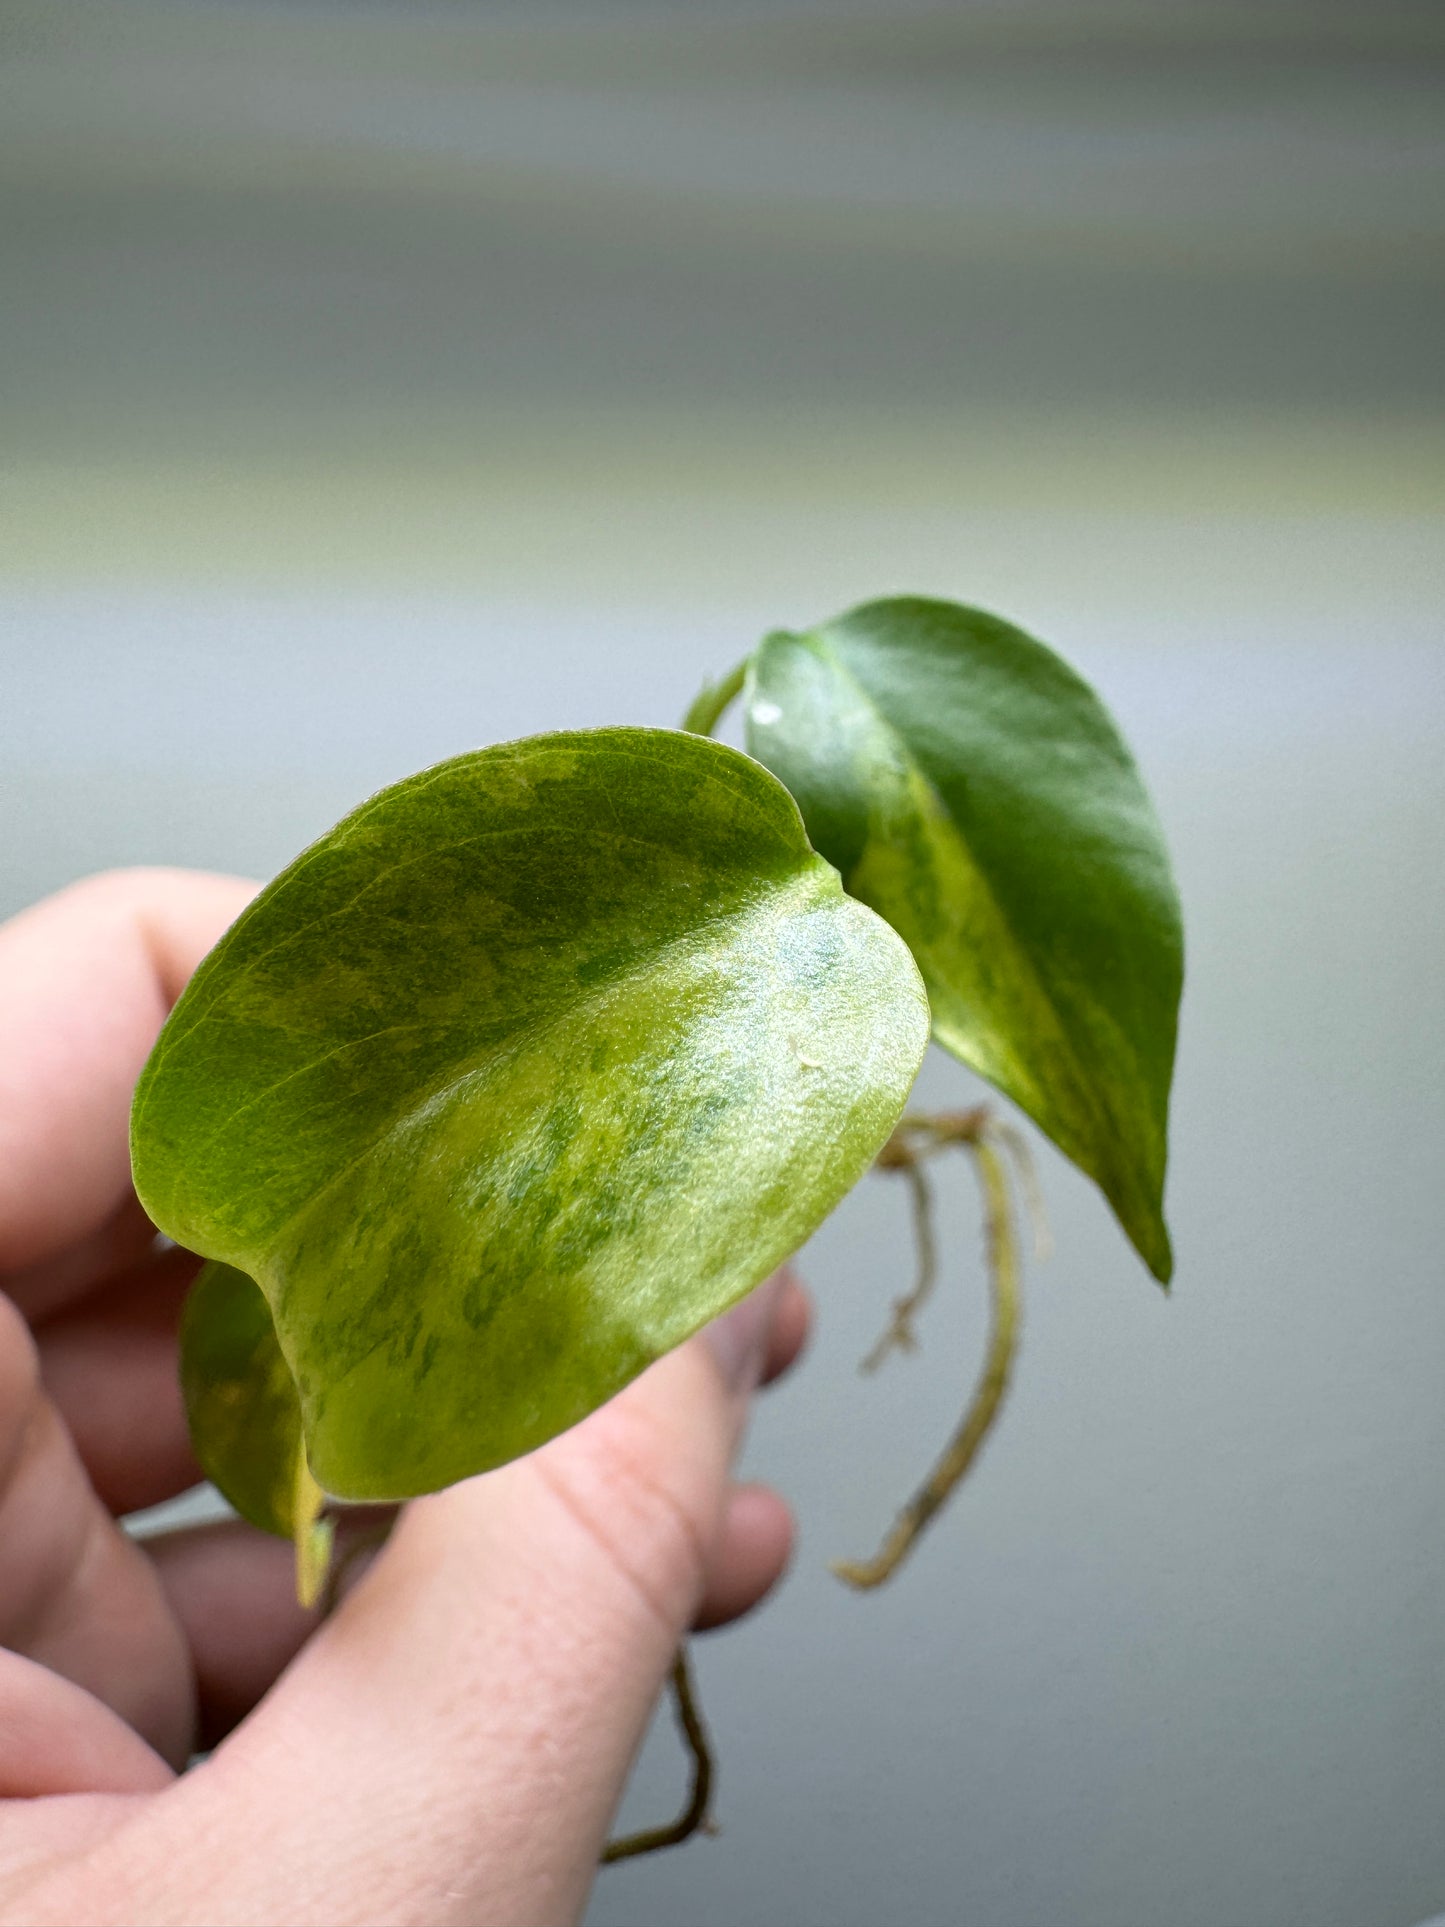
(109, 1366)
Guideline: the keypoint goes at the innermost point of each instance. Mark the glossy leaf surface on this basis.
(974, 791)
(533, 1065)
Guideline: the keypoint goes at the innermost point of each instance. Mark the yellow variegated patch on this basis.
(532, 1066)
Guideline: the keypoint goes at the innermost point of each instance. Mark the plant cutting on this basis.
(544, 1057)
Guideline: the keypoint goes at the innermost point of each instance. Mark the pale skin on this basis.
(451, 1744)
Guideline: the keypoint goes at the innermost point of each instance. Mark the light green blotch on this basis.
(547, 1254)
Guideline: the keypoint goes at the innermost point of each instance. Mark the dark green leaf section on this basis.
(241, 1402)
(533, 1065)
(975, 792)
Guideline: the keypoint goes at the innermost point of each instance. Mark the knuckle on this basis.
(615, 1480)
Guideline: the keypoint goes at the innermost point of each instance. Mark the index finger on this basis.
(86, 980)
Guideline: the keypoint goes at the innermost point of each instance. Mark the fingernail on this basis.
(739, 1339)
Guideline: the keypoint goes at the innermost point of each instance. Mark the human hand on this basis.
(451, 1743)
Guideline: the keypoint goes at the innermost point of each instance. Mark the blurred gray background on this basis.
(381, 381)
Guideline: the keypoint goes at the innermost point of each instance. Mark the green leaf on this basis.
(975, 792)
(533, 1065)
(241, 1402)
(245, 1417)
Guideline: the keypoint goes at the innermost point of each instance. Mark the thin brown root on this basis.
(900, 1332)
(917, 1136)
(694, 1816)
(983, 1409)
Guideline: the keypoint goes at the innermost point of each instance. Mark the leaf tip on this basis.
(1157, 1251)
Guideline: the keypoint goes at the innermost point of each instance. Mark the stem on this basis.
(312, 1533)
(708, 706)
(693, 1818)
(962, 1448)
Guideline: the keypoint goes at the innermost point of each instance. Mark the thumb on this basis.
(452, 1745)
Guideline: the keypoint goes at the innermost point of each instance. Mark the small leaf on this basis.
(241, 1402)
(245, 1419)
(974, 791)
(533, 1065)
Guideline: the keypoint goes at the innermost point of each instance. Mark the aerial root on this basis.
(918, 1138)
(900, 1334)
(694, 1816)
